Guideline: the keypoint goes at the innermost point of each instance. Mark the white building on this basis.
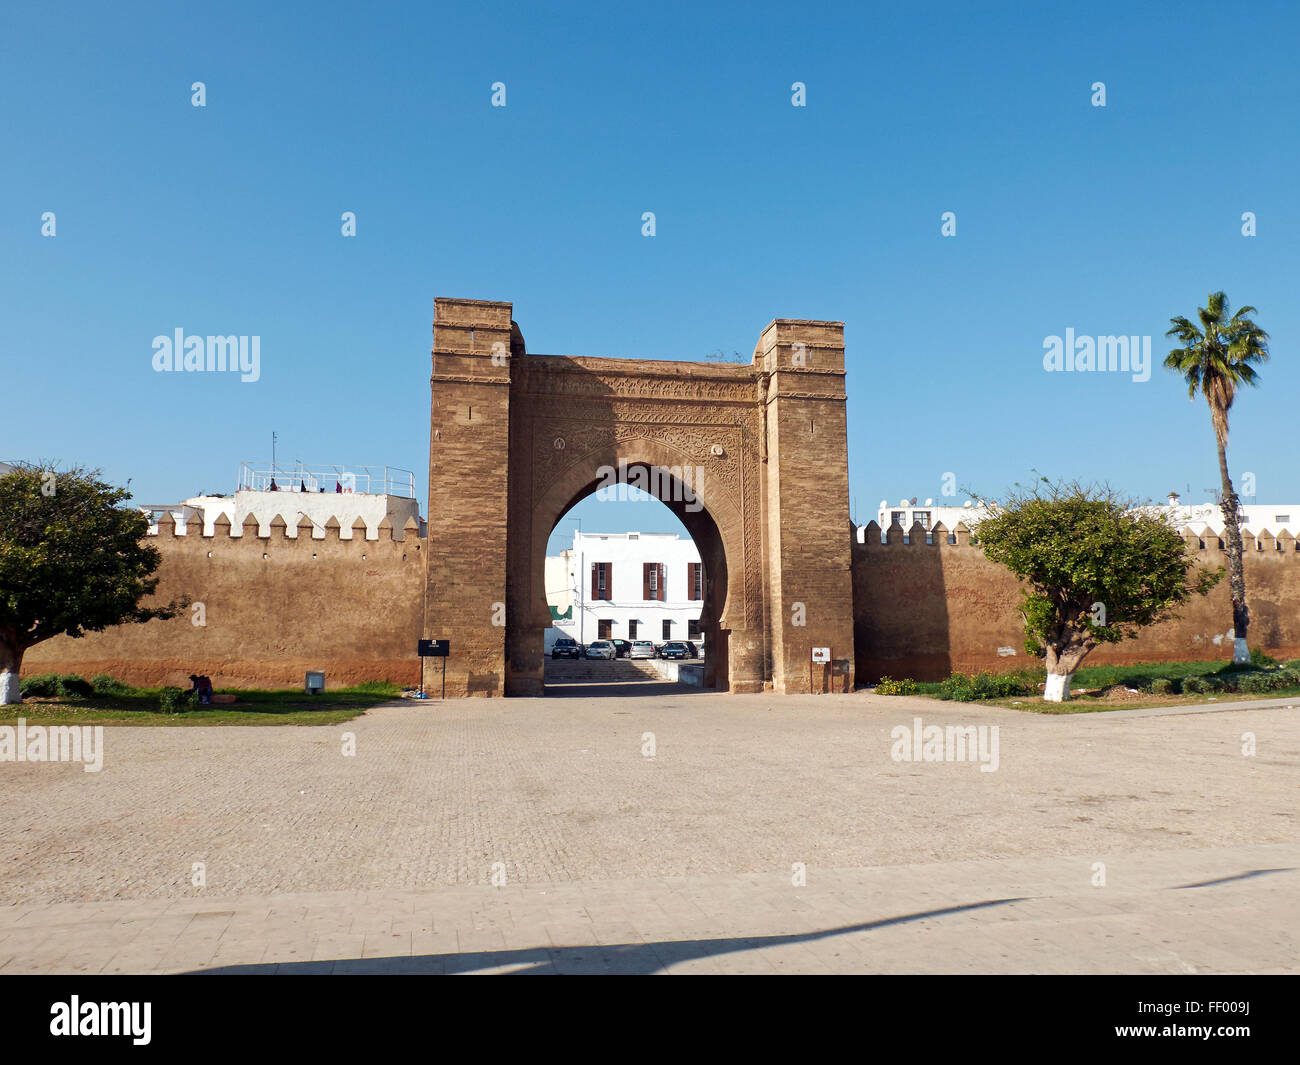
(320, 494)
(1200, 517)
(1255, 517)
(906, 513)
(627, 586)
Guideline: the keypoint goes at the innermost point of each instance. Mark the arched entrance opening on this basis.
(627, 593)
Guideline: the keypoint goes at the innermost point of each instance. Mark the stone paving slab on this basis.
(1223, 910)
(678, 862)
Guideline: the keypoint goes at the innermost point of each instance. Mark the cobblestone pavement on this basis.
(616, 860)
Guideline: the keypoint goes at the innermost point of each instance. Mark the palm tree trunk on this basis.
(1236, 567)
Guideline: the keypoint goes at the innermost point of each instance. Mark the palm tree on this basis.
(1215, 360)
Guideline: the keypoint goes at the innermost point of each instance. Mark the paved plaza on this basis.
(655, 828)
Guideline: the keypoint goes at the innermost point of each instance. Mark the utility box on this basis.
(315, 683)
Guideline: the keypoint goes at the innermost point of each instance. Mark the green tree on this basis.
(1098, 570)
(1215, 359)
(72, 561)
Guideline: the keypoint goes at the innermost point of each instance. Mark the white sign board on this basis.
(821, 654)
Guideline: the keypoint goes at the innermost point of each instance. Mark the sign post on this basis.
(820, 655)
(434, 649)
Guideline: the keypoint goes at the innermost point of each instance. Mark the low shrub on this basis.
(1260, 660)
(41, 686)
(74, 686)
(957, 687)
(1163, 686)
(1195, 685)
(964, 689)
(1256, 682)
(1000, 685)
(889, 686)
(175, 701)
(56, 686)
(103, 684)
(1268, 680)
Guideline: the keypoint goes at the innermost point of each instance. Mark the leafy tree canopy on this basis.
(72, 558)
(1098, 568)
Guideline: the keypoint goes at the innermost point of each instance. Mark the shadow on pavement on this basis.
(1230, 879)
(624, 958)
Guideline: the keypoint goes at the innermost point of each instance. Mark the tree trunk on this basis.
(11, 661)
(1062, 661)
(1236, 567)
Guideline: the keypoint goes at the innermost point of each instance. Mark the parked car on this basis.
(600, 649)
(690, 646)
(622, 648)
(676, 649)
(566, 647)
(642, 649)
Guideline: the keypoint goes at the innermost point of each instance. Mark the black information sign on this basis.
(434, 648)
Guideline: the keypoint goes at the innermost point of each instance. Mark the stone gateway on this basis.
(752, 458)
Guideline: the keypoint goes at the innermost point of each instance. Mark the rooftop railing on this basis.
(367, 480)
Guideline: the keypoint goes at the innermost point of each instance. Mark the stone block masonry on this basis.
(925, 610)
(271, 607)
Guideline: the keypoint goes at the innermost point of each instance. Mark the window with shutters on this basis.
(668, 629)
(604, 628)
(652, 581)
(693, 629)
(631, 628)
(600, 580)
(695, 580)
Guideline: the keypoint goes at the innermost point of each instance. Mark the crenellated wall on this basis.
(280, 601)
(924, 610)
(273, 606)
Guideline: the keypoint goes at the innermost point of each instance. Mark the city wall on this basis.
(272, 606)
(278, 603)
(927, 609)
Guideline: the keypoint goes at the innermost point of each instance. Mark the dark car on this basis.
(676, 649)
(622, 648)
(566, 647)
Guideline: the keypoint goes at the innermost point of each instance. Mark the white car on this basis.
(600, 649)
(642, 649)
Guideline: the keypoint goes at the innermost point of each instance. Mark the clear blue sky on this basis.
(226, 220)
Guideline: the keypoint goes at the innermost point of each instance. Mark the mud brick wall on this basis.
(925, 610)
(273, 607)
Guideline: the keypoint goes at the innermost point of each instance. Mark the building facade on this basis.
(626, 586)
(1200, 518)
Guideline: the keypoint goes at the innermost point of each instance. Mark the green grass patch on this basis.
(121, 705)
(1111, 687)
